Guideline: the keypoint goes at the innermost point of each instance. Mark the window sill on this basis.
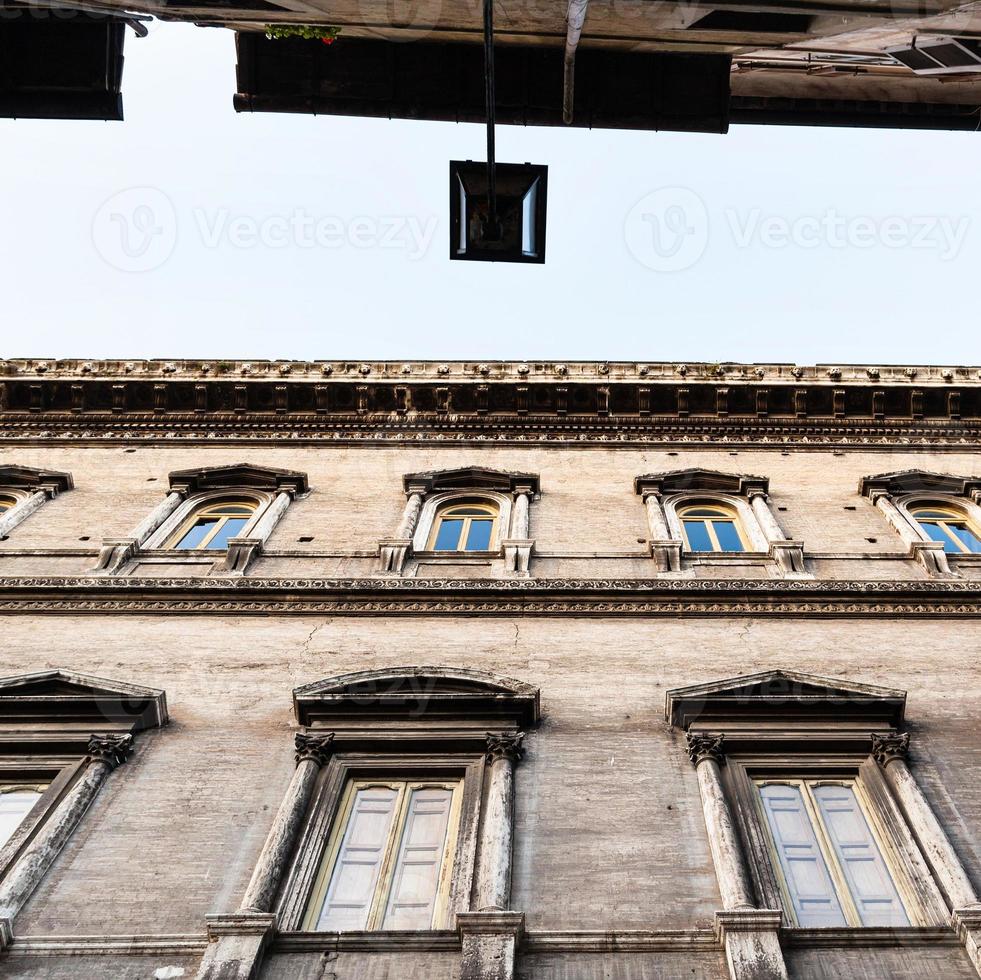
(376, 941)
(864, 936)
(476, 557)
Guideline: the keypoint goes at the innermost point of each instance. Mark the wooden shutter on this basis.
(865, 871)
(359, 859)
(14, 806)
(809, 883)
(415, 880)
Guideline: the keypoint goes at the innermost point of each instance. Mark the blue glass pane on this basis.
(966, 535)
(936, 533)
(229, 529)
(196, 534)
(480, 535)
(698, 538)
(448, 538)
(728, 536)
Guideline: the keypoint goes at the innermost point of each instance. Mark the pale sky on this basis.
(192, 231)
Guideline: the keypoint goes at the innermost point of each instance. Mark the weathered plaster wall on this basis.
(610, 832)
(587, 522)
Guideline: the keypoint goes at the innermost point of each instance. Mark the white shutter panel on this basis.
(420, 858)
(865, 870)
(804, 870)
(14, 806)
(359, 860)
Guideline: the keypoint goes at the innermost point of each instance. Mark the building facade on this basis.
(463, 671)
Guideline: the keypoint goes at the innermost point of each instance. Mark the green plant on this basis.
(312, 32)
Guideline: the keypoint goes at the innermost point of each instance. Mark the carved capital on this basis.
(113, 750)
(889, 748)
(313, 748)
(701, 747)
(504, 747)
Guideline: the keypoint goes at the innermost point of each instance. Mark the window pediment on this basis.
(418, 694)
(470, 478)
(239, 477)
(918, 481)
(52, 482)
(60, 699)
(678, 481)
(781, 697)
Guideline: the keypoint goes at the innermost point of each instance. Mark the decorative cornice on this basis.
(702, 747)
(506, 403)
(594, 597)
(113, 750)
(313, 748)
(505, 746)
(726, 372)
(890, 747)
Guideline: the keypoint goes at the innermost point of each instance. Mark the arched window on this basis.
(6, 502)
(949, 526)
(209, 527)
(711, 527)
(465, 526)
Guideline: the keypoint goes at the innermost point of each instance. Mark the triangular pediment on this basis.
(417, 692)
(781, 694)
(470, 478)
(918, 481)
(60, 698)
(696, 478)
(51, 482)
(239, 476)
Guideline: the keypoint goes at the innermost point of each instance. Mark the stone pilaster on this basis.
(394, 552)
(490, 942)
(751, 940)
(518, 546)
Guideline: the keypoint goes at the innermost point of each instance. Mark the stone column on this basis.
(518, 546)
(665, 550)
(393, 552)
(21, 511)
(237, 942)
(789, 555)
(749, 935)
(115, 552)
(705, 752)
(892, 752)
(930, 554)
(105, 753)
(490, 935)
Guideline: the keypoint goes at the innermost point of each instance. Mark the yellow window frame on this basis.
(842, 891)
(724, 513)
(206, 512)
(445, 512)
(7, 502)
(386, 875)
(956, 517)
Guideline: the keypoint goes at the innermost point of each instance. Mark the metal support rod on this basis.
(490, 100)
(575, 18)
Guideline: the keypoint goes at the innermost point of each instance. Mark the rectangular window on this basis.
(728, 536)
(389, 859)
(831, 865)
(16, 801)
